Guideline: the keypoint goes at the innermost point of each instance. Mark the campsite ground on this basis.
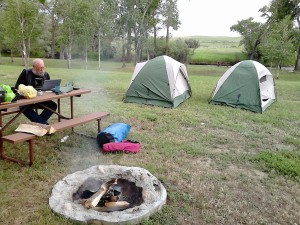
(220, 165)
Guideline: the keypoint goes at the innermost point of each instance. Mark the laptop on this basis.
(50, 84)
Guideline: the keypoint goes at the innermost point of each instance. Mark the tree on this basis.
(297, 43)
(179, 50)
(125, 22)
(193, 44)
(73, 25)
(79, 27)
(104, 17)
(170, 19)
(278, 45)
(85, 28)
(251, 33)
(144, 11)
(281, 10)
(157, 25)
(1, 27)
(22, 26)
(52, 7)
(134, 22)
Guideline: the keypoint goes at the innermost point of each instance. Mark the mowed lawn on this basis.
(220, 165)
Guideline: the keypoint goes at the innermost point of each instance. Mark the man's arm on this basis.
(46, 76)
(22, 79)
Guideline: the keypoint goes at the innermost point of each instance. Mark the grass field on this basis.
(217, 50)
(220, 165)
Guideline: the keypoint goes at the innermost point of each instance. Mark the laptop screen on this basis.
(49, 84)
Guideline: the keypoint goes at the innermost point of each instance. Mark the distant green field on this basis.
(223, 56)
(217, 50)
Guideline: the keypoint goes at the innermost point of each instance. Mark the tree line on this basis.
(276, 41)
(127, 30)
(88, 29)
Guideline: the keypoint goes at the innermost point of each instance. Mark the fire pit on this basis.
(108, 194)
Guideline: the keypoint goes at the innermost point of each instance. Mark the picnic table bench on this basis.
(62, 124)
(19, 137)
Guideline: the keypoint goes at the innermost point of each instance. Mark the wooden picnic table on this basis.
(13, 108)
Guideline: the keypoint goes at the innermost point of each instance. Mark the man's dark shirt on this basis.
(29, 78)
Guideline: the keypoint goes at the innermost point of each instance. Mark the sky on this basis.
(215, 17)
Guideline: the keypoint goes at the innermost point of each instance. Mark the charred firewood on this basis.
(94, 200)
(113, 206)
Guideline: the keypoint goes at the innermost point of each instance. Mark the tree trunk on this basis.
(25, 56)
(155, 41)
(128, 51)
(11, 56)
(99, 50)
(167, 40)
(28, 52)
(278, 69)
(140, 33)
(123, 51)
(135, 45)
(24, 53)
(257, 42)
(62, 53)
(86, 55)
(53, 41)
(69, 56)
(297, 64)
(138, 52)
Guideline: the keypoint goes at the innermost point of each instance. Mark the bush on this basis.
(179, 50)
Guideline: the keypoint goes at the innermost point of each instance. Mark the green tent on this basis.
(161, 81)
(248, 85)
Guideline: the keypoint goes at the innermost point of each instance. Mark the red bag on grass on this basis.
(126, 146)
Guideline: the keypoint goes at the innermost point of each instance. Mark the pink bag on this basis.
(126, 146)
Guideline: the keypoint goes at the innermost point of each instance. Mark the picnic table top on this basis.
(47, 96)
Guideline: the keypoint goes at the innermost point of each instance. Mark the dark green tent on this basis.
(248, 85)
(161, 81)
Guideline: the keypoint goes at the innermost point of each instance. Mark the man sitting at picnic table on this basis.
(35, 77)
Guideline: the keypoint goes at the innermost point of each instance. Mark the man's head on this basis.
(38, 67)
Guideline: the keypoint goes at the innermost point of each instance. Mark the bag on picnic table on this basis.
(2, 94)
(64, 89)
(6, 94)
(27, 91)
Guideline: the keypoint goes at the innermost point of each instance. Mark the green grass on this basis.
(223, 56)
(217, 50)
(285, 163)
(220, 165)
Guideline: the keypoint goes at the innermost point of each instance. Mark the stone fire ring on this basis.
(154, 195)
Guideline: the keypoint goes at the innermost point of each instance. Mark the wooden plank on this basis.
(18, 137)
(11, 111)
(47, 96)
(22, 137)
(78, 120)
